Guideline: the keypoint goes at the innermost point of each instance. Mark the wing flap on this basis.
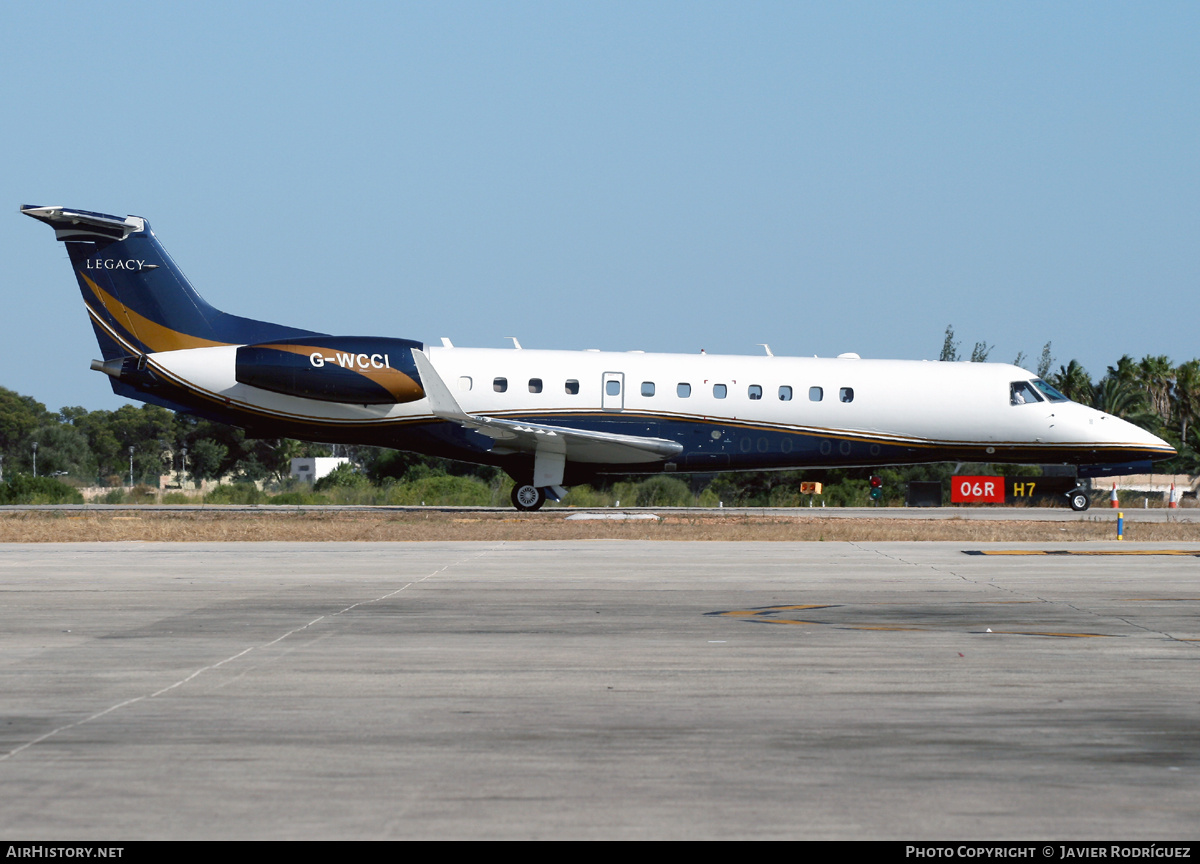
(520, 436)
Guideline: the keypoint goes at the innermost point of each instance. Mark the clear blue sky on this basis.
(824, 177)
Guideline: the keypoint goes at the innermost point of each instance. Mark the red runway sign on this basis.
(977, 490)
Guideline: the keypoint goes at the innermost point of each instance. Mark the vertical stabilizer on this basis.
(138, 299)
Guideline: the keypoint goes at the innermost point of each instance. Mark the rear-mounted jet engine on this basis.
(360, 370)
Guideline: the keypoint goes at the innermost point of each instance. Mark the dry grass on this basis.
(259, 525)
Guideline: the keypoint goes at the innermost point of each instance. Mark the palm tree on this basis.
(1126, 399)
(282, 452)
(1155, 374)
(1074, 382)
(1125, 371)
(1189, 453)
(1186, 396)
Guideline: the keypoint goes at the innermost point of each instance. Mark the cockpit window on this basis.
(1049, 392)
(1022, 392)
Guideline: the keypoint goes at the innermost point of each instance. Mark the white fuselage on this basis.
(884, 401)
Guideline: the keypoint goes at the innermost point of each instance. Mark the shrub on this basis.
(848, 493)
(143, 494)
(784, 496)
(238, 493)
(296, 498)
(440, 490)
(663, 492)
(24, 489)
(343, 476)
(586, 496)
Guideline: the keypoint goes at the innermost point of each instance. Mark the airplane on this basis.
(552, 419)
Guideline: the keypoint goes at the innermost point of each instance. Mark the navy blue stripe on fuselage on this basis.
(709, 445)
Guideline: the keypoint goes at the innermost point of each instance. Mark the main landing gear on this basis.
(528, 497)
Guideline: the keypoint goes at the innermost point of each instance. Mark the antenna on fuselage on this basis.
(516, 344)
(766, 347)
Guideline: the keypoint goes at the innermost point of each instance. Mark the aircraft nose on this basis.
(1139, 437)
(1165, 446)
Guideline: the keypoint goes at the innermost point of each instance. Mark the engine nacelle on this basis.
(363, 370)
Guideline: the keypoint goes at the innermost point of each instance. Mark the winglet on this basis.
(441, 400)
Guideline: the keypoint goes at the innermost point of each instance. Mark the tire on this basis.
(1079, 501)
(528, 497)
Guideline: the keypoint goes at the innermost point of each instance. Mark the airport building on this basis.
(313, 468)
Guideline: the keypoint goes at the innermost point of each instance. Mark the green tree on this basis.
(1186, 397)
(949, 346)
(1125, 371)
(281, 453)
(1156, 375)
(20, 417)
(1046, 361)
(1119, 398)
(63, 449)
(250, 469)
(1074, 382)
(979, 354)
(205, 459)
(150, 429)
(344, 476)
(1125, 398)
(1189, 451)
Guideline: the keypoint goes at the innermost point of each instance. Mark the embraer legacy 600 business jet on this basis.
(554, 418)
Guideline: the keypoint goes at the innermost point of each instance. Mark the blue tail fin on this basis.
(138, 300)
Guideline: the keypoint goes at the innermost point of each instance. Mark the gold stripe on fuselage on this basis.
(153, 335)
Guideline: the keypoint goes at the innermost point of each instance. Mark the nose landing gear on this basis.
(1078, 499)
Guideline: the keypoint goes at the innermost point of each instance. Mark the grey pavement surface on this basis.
(1038, 514)
(598, 689)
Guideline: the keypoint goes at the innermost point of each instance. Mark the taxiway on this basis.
(598, 689)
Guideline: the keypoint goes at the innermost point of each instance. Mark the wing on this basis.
(545, 442)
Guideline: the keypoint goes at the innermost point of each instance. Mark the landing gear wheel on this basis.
(1079, 501)
(528, 497)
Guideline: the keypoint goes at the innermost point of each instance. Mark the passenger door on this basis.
(612, 391)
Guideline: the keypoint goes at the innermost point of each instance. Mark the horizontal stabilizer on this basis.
(84, 224)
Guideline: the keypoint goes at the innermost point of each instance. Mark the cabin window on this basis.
(535, 385)
(1022, 392)
(572, 387)
(754, 391)
(683, 390)
(612, 387)
(785, 393)
(647, 388)
(816, 394)
(719, 391)
(1049, 392)
(464, 383)
(846, 394)
(500, 384)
